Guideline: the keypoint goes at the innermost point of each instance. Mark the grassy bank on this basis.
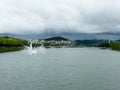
(115, 46)
(9, 49)
(8, 44)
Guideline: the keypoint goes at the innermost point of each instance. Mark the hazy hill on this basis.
(71, 36)
(93, 42)
(57, 39)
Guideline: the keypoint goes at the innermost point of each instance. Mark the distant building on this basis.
(54, 41)
(42, 41)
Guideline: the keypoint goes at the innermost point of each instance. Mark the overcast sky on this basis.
(36, 16)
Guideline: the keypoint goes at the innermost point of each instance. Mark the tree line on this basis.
(10, 42)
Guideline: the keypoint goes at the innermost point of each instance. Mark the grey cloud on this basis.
(36, 16)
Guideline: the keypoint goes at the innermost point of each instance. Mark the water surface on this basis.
(61, 69)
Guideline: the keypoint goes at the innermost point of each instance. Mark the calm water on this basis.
(61, 69)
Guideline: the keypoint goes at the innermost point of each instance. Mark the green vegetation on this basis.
(6, 41)
(8, 49)
(104, 45)
(56, 39)
(99, 43)
(10, 44)
(115, 46)
(92, 43)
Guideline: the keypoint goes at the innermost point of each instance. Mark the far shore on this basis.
(9, 44)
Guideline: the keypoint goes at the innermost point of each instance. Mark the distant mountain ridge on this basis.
(69, 35)
(57, 38)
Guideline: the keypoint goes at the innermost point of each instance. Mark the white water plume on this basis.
(32, 50)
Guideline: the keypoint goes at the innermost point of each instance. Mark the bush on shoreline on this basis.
(115, 46)
(6, 41)
(8, 49)
(10, 44)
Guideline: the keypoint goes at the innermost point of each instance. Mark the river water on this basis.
(61, 69)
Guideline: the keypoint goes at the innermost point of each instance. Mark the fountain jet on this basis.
(32, 50)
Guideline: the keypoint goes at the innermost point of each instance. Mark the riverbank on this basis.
(10, 49)
(8, 44)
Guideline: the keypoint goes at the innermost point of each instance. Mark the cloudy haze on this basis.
(36, 16)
